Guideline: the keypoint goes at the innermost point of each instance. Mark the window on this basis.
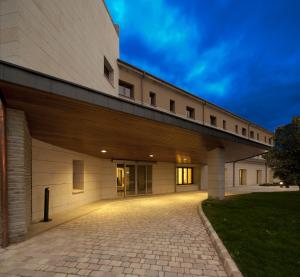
(126, 89)
(108, 71)
(184, 175)
(258, 177)
(244, 132)
(270, 140)
(265, 139)
(257, 136)
(236, 129)
(190, 112)
(78, 175)
(213, 120)
(152, 96)
(224, 125)
(172, 106)
(243, 177)
(252, 134)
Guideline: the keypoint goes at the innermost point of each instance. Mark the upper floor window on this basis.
(172, 106)
(244, 132)
(108, 71)
(236, 129)
(252, 134)
(125, 89)
(190, 112)
(265, 139)
(270, 140)
(224, 124)
(152, 96)
(213, 120)
(257, 136)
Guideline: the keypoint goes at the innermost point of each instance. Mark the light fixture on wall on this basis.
(151, 156)
(103, 151)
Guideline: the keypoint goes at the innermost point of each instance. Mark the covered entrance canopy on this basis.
(88, 121)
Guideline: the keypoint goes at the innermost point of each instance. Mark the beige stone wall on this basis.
(53, 167)
(143, 84)
(62, 38)
(18, 175)
(163, 178)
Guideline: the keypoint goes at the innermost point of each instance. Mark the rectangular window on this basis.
(224, 125)
(190, 112)
(265, 139)
(258, 177)
(152, 96)
(252, 134)
(78, 175)
(126, 89)
(172, 106)
(270, 140)
(213, 120)
(244, 132)
(257, 136)
(184, 175)
(108, 71)
(243, 177)
(236, 129)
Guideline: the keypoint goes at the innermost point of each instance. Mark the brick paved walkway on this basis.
(146, 236)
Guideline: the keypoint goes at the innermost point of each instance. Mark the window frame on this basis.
(190, 112)
(213, 120)
(172, 106)
(184, 169)
(224, 124)
(244, 132)
(251, 134)
(152, 97)
(109, 69)
(127, 86)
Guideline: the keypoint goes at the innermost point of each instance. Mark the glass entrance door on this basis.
(134, 179)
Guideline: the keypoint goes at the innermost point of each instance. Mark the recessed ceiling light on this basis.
(151, 156)
(103, 151)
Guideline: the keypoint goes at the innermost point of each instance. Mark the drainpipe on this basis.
(233, 174)
(203, 114)
(142, 87)
(4, 186)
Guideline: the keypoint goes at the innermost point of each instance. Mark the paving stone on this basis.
(159, 236)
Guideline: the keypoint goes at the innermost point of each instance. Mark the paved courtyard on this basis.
(145, 236)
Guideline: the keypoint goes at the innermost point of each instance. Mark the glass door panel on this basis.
(141, 179)
(149, 179)
(120, 180)
(130, 179)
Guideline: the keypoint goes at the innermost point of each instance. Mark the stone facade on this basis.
(18, 175)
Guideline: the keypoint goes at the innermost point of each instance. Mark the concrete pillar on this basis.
(216, 173)
(18, 175)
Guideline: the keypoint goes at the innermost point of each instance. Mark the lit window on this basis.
(108, 71)
(190, 112)
(172, 106)
(152, 96)
(184, 175)
(244, 132)
(126, 89)
(243, 177)
(78, 175)
(224, 125)
(213, 120)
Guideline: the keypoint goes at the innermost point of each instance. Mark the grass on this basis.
(260, 230)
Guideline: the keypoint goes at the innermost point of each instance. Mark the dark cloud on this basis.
(241, 55)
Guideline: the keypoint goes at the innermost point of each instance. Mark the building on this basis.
(88, 126)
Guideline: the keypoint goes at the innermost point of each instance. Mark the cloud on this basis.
(244, 56)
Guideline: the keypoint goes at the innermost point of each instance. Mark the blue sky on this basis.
(241, 55)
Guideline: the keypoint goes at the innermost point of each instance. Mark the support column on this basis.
(216, 173)
(18, 175)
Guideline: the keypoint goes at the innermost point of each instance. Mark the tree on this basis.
(284, 157)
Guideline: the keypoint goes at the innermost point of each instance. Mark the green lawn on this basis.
(260, 230)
